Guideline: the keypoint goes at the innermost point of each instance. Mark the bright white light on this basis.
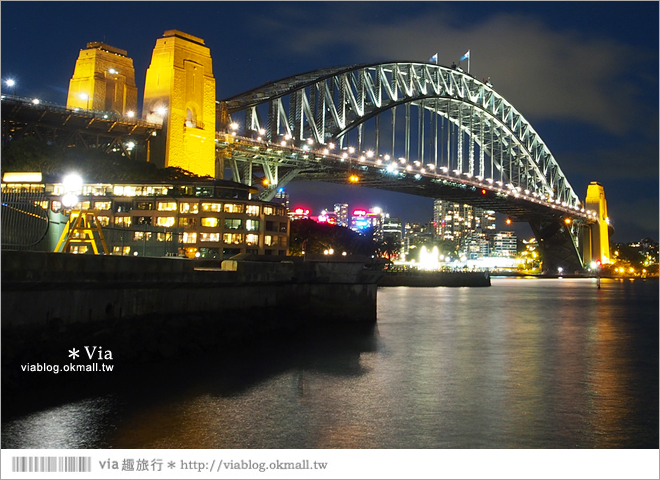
(402, 160)
(326, 151)
(386, 157)
(377, 210)
(331, 251)
(444, 169)
(362, 158)
(431, 166)
(72, 183)
(69, 200)
(418, 176)
(161, 111)
(36, 101)
(370, 154)
(390, 168)
(408, 167)
(379, 162)
(351, 150)
(113, 71)
(283, 143)
(83, 96)
(423, 170)
(287, 137)
(130, 114)
(416, 162)
(559, 269)
(130, 145)
(10, 82)
(310, 141)
(262, 131)
(344, 155)
(233, 126)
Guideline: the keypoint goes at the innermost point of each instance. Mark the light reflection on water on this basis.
(522, 364)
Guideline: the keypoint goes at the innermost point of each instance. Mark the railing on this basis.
(99, 114)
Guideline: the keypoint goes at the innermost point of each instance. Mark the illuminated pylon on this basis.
(80, 230)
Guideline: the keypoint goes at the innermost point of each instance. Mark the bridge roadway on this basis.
(396, 175)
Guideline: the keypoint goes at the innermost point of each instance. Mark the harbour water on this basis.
(525, 363)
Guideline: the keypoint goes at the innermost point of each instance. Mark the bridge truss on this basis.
(416, 128)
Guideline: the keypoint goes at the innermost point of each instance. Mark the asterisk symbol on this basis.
(73, 353)
(171, 465)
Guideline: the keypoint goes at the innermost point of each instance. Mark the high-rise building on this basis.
(341, 213)
(282, 197)
(452, 221)
(392, 229)
(484, 221)
(505, 244)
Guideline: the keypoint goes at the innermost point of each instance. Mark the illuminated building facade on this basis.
(341, 214)
(180, 91)
(452, 221)
(505, 244)
(103, 79)
(211, 219)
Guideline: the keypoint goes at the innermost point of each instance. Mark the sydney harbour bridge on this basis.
(410, 127)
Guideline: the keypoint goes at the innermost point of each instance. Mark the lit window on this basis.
(84, 205)
(268, 210)
(252, 225)
(164, 237)
(189, 237)
(209, 237)
(234, 208)
(165, 221)
(209, 222)
(233, 223)
(123, 221)
(189, 208)
(270, 240)
(252, 239)
(211, 207)
(104, 221)
(56, 206)
(141, 236)
(167, 206)
(232, 238)
(252, 210)
(121, 250)
(187, 222)
(102, 205)
(78, 249)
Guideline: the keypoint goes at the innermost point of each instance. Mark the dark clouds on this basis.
(545, 74)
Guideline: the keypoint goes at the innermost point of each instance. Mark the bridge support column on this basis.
(596, 243)
(180, 91)
(557, 246)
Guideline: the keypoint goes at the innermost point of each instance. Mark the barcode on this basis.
(51, 464)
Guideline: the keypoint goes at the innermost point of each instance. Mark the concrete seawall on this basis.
(435, 279)
(143, 308)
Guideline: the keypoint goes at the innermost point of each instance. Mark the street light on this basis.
(11, 83)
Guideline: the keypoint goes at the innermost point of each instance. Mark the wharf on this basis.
(146, 308)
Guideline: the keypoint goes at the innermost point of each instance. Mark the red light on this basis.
(483, 191)
(359, 213)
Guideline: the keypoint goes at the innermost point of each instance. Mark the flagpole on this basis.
(469, 56)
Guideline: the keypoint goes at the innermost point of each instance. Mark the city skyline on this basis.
(589, 90)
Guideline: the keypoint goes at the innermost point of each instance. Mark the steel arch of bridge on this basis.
(483, 134)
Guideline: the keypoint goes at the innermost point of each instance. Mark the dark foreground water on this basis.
(551, 363)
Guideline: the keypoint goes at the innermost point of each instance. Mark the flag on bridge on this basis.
(434, 59)
(467, 55)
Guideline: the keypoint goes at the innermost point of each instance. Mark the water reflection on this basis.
(523, 364)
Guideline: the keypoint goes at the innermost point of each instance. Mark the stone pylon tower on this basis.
(180, 90)
(597, 238)
(103, 79)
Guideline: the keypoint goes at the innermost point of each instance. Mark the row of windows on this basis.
(233, 238)
(249, 224)
(228, 238)
(183, 207)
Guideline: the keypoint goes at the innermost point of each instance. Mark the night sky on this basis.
(585, 74)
